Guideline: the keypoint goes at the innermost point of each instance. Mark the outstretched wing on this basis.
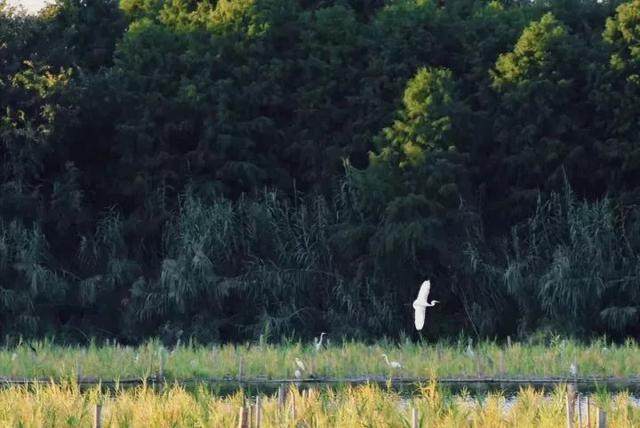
(423, 294)
(419, 315)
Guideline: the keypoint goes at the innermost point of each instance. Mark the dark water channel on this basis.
(408, 389)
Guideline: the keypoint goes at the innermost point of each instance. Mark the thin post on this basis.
(579, 412)
(571, 397)
(508, 341)
(97, 419)
(293, 407)
(249, 415)
(602, 418)
(213, 361)
(243, 419)
(282, 393)
(160, 364)
(258, 412)
(414, 418)
(588, 413)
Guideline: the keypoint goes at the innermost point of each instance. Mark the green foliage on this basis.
(572, 266)
(230, 168)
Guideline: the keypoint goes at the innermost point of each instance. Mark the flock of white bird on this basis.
(420, 306)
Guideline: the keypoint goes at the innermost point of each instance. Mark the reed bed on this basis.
(349, 359)
(55, 405)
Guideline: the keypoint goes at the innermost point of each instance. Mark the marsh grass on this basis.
(56, 405)
(347, 360)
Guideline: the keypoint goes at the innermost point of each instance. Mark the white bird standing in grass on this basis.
(573, 369)
(318, 343)
(301, 368)
(470, 352)
(421, 304)
(392, 364)
(300, 364)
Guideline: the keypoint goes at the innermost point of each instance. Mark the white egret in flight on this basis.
(392, 364)
(318, 343)
(421, 303)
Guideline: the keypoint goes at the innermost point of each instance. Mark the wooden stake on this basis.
(282, 394)
(293, 407)
(588, 413)
(97, 420)
(160, 364)
(414, 418)
(249, 415)
(243, 420)
(602, 418)
(509, 341)
(258, 412)
(571, 398)
(579, 412)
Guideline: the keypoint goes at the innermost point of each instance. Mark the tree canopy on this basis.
(225, 169)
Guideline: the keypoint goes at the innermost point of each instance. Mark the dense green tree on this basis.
(536, 135)
(167, 164)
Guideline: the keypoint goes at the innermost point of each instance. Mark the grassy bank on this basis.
(65, 405)
(348, 359)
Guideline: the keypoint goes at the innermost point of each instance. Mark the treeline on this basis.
(225, 169)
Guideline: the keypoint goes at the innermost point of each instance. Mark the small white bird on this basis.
(470, 352)
(421, 303)
(298, 374)
(318, 343)
(573, 369)
(300, 364)
(392, 364)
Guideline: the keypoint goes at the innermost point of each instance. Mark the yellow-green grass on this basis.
(65, 405)
(349, 359)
